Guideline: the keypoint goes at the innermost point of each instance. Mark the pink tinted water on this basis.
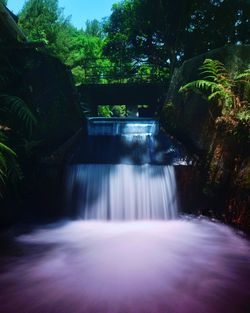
(182, 266)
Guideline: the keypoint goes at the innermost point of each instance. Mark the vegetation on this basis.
(165, 33)
(13, 112)
(112, 111)
(141, 40)
(43, 21)
(231, 94)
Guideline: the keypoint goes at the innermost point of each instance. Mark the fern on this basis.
(200, 85)
(218, 86)
(217, 83)
(17, 117)
(17, 107)
(245, 76)
(9, 167)
(5, 149)
(245, 73)
(213, 69)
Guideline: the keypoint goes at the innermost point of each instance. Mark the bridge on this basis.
(143, 99)
(139, 86)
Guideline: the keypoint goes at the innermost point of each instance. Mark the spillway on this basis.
(127, 250)
(128, 189)
(121, 192)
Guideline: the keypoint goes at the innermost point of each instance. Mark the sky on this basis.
(80, 10)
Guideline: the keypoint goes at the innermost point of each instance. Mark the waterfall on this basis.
(122, 191)
(128, 185)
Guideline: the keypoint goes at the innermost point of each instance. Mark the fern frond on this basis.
(17, 106)
(8, 164)
(211, 77)
(3, 164)
(201, 85)
(218, 85)
(244, 75)
(214, 70)
(5, 149)
(216, 94)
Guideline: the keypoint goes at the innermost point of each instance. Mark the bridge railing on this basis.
(96, 71)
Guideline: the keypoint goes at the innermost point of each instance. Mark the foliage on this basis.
(14, 106)
(94, 28)
(12, 110)
(228, 92)
(112, 111)
(4, 2)
(119, 110)
(42, 20)
(104, 111)
(80, 50)
(142, 39)
(84, 57)
(10, 171)
(150, 30)
(83, 51)
(16, 120)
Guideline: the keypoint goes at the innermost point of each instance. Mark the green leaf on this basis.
(19, 109)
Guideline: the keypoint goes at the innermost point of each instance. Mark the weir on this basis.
(122, 126)
(122, 192)
(131, 186)
(125, 251)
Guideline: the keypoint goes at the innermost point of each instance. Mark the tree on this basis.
(168, 32)
(94, 28)
(43, 20)
(84, 57)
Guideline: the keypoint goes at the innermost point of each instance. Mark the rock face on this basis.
(46, 85)
(192, 116)
(224, 158)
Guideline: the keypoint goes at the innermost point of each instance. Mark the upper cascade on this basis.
(126, 141)
(122, 126)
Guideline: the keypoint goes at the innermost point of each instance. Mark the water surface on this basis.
(182, 266)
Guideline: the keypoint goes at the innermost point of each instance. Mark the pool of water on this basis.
(179, 266)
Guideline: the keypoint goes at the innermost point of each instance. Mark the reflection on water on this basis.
(151, 267)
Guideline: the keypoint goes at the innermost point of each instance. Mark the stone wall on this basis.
(188, 116)
(224, 159)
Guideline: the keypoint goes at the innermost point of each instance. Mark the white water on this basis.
(121, 192)
(182, 266)
(122, 126)
(174, 266)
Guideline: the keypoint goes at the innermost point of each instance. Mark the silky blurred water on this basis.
(181, 266)
(121, 191)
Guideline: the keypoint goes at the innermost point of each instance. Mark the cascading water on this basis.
(132, 263)
(123, 191)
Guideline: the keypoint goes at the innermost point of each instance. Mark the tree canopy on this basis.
(141, 38)
(171, 31)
